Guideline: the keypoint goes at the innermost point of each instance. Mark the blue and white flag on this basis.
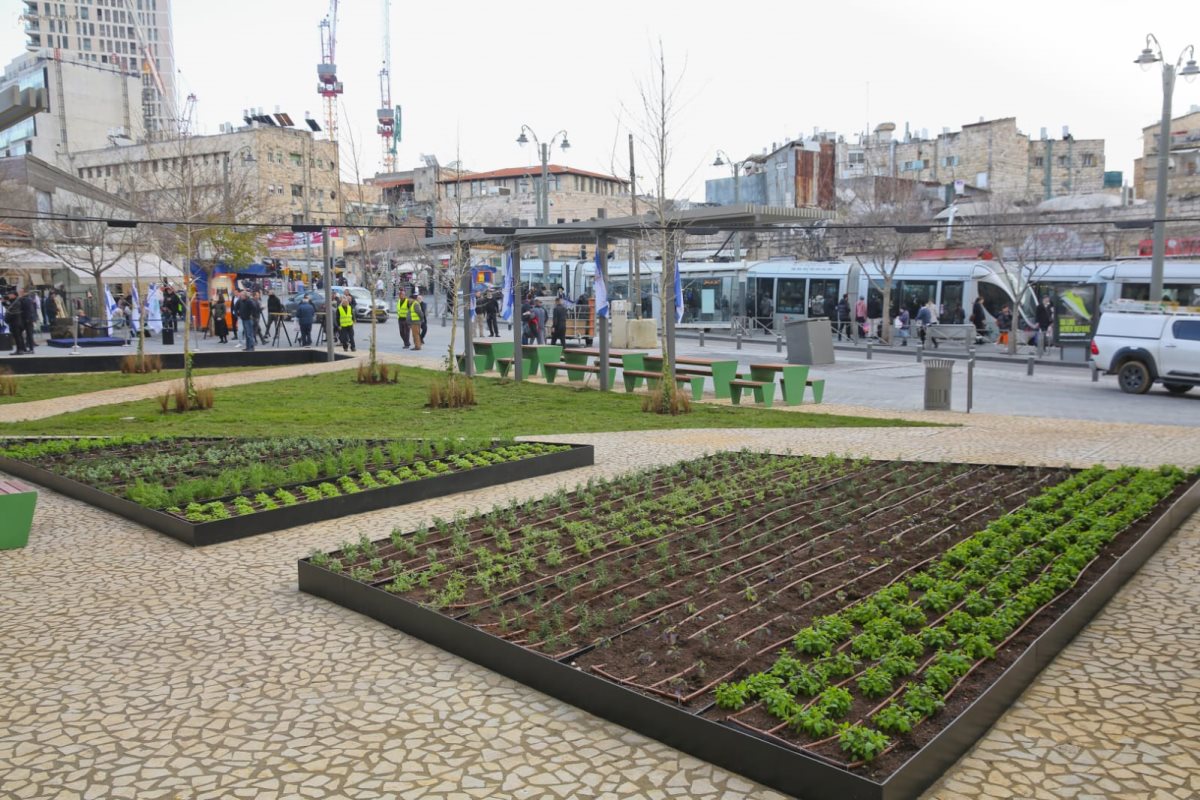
(136, 319)
(678, 295)
(506, 314)
(3, 324)
(112, 308)
(601, 291)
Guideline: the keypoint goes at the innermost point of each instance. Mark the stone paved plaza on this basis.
(135, 667)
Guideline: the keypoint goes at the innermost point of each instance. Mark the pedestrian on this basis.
(15, 320)
(306, 312)
(220, 326)
(379, 287)
(926, 316)
(259, 329)
(539, 313)
(860, 317)
(248, 311)
(403, 316)
(1004, 324)
(1045, 321)
(480, 313)
(417, 320)
(843, 317)
(558, 328)
(275, 312)
(902, 325)
(345, 323)
(979, 319)
(492, 311)
(29, 315)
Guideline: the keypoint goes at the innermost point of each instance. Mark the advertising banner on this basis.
(289, 240)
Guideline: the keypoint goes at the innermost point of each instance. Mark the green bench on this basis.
(764, 391)
(793, 381)
(505, 366)
(576, 372)
(633, 379)
(17, 502)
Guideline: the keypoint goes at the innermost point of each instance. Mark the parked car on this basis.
(1143, 346)
(362, 302)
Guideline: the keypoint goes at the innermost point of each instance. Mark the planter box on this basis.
(199, 534)
(783, 769)
(263, 357)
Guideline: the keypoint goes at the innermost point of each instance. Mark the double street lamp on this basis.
(1149, 57)
(543, 197)
(721, 160)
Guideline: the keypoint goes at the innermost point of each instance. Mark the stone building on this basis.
(91, 105)
(797, 174)
(992, 155)
(1183, 176)
(278, 175)
(508, 196)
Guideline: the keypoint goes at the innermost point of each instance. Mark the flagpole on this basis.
(602, 321)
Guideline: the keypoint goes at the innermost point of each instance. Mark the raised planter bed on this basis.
(787, 565)
(283, 505)
(105, 362)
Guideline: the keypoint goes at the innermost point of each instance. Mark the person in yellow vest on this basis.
(345, 320)
(415, 318)
(403, 316)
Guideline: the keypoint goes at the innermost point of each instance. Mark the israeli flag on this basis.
(136, 319)
(506, 314)
(112, 308)
(678, 295)
(601, 291)
(3, 324)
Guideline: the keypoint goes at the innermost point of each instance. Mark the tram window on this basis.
(822, 297)
(952, 299)
(1172, 292)
(995, 298)
(914, 294)
(790, 299)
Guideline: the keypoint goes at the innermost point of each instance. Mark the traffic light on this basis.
(429, 227)
(583, 252)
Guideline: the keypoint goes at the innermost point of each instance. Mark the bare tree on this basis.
(894, 222)
(661, 102)
(370, 270)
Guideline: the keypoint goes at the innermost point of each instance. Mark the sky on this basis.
(468, 74)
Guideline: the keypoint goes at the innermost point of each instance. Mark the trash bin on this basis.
(809, 341)
(168, 336)
(938, 375)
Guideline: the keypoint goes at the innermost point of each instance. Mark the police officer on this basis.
(403, 316)
(416, 320)
(345, 320)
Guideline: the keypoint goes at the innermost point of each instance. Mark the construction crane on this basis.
(386, 115)
(185, 119)
(152, 82)
(329, 87)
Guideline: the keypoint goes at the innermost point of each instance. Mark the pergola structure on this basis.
(603, 232)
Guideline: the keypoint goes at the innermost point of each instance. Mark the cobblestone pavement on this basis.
(136, 667)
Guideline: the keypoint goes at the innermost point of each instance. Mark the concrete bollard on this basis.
(868, 351)
(920, 353)
(778, 343)
(1095, 373)
(970, 382)
(739, 340)
(1029, 365)
(702, 337)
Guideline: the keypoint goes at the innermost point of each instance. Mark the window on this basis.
(857, 158)
(297, 159)
(1064, 161)
(950, 161)
(297, 190)
(1039, 161)
(1088, 160)
(1186, 329)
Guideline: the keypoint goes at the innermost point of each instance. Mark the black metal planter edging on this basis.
(786, 770)
(111, 362)
(199, 534)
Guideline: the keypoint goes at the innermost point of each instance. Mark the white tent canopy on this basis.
(150, 267)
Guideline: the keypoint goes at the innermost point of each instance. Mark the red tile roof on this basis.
(535, 170)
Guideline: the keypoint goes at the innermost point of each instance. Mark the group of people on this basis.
(412, 316)
(534, 319)
(487, 313)
(20, 317)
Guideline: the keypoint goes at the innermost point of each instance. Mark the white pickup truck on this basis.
(1144, 347)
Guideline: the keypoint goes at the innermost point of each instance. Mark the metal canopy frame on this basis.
(602, 233)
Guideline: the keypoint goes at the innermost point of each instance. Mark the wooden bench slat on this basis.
(14, 487)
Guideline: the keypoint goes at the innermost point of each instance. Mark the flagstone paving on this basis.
(135, 667)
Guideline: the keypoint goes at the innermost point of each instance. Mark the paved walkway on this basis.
(139, 668)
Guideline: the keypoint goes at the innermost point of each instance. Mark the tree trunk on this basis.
(102, 302)
(887, 309)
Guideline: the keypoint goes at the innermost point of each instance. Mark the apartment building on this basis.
(289, 176)
(1183, 165)
(133, 36)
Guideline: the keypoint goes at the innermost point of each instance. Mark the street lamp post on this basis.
(736, 166)
(543, 199)
(1149, 57)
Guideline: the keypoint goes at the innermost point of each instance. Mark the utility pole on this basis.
(544, 213)
(635, 290)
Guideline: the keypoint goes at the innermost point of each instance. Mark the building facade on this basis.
(509, 196)
(276, 175)
(798, 174)
(132, 36)
(91, 105)
(992, 155)
(1183, 166)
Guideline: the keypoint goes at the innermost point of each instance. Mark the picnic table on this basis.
(722, 371)
(490, 350)
(793, 381)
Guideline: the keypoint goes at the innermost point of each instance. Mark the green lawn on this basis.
(44, 387)
(334, 405)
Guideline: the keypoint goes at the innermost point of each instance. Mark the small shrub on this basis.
(8, 383)
(141, 365)
(667, 399)
(451, 391)
(377, 373)
(176, 399)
